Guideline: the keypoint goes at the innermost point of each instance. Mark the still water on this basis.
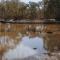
(36, 43)
(26, 47)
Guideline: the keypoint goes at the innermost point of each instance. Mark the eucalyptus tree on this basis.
(32, 6)
(52, 9)
(2, 11)
(21, 10)
(12, 10)
(40, 9)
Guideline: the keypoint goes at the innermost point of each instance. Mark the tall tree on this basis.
(52, 8)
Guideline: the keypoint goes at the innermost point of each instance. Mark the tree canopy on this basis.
(52, 8)
(12, 10)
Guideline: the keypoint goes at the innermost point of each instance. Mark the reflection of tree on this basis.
(7, 27)
(52, 42)
(3, 49)
(52, 37)
(5, 44)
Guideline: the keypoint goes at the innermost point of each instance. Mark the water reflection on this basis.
(34, 44)
(29, 46)
(20, 52)
(6, 43)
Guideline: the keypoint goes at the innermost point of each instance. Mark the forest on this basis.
(21, 10)
(46, 9)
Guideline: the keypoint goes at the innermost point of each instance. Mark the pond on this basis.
(36, 43)
(31, 42)
(27, 47)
